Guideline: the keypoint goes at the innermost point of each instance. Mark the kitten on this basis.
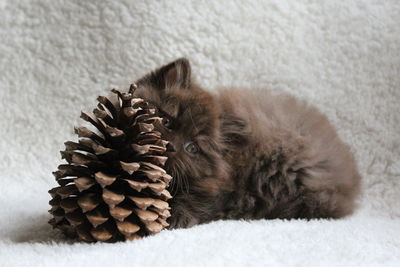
(248, 154)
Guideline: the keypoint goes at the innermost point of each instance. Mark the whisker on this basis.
(175, 181)
(180, 183)
(183, 178)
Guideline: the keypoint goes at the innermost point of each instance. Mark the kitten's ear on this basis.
(174, 74)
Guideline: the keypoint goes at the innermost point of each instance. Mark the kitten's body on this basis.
(259, 155)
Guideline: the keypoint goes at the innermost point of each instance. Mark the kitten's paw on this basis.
(181, 219)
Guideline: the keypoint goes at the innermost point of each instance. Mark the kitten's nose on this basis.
(170, 148)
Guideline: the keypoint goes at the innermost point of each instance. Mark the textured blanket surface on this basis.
(57, 56)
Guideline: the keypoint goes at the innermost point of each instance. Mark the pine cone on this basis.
(114, 187)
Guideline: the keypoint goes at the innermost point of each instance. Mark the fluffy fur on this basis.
(257, 154)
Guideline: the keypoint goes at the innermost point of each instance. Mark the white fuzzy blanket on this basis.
(343, 56)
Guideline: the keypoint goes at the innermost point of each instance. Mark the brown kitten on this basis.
(248, 154)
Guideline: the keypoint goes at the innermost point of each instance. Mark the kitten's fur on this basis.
(260, 155)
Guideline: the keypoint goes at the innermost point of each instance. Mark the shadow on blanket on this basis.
(37, 231)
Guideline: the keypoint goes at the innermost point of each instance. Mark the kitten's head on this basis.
(191, 117)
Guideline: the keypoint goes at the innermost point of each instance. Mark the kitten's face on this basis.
(191, 119)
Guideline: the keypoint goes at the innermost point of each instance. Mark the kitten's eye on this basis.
(167, 122)
(191, 148)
